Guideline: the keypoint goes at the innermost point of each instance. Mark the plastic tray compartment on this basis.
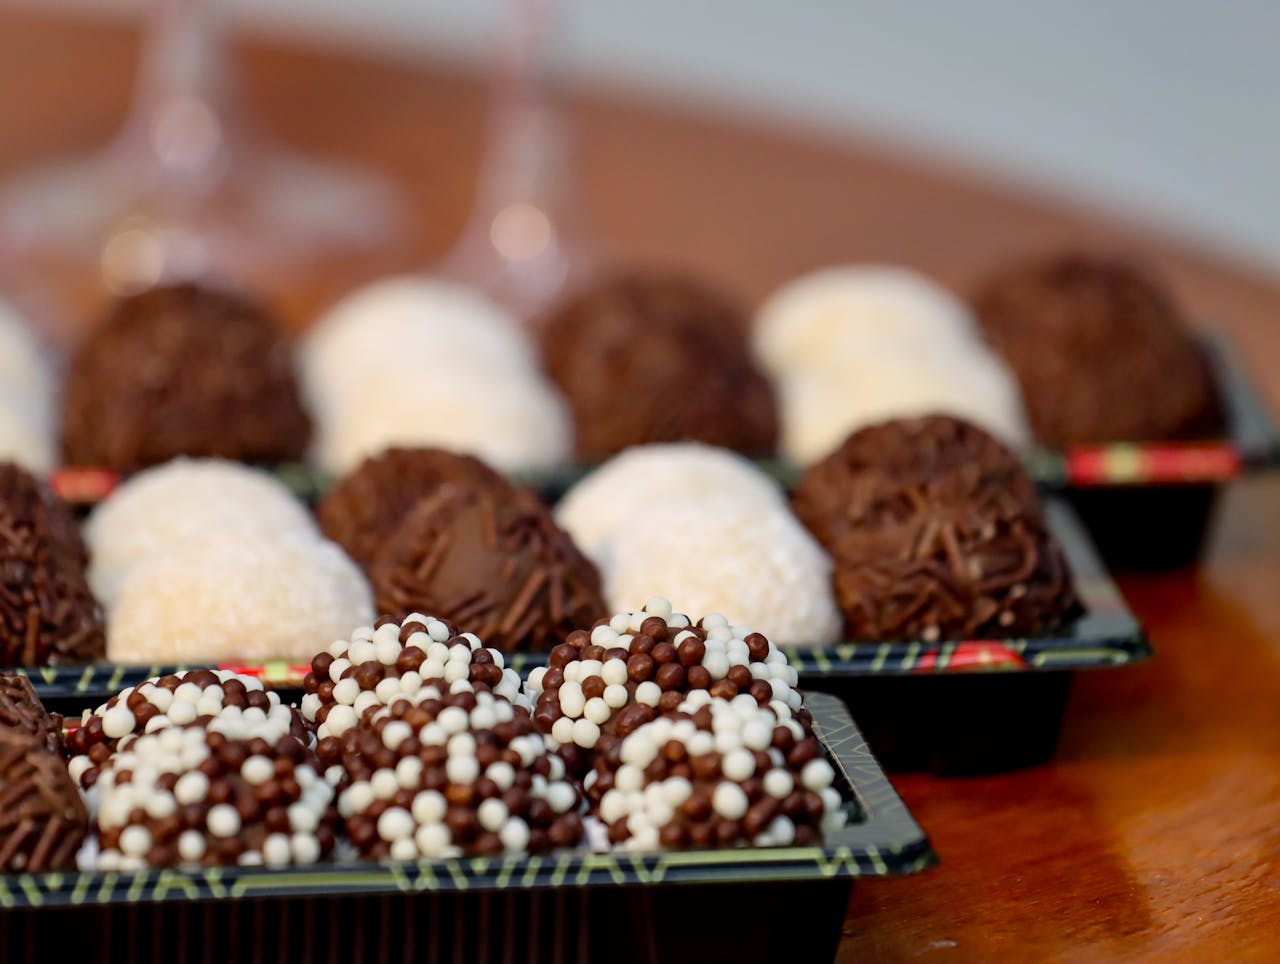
(740, 904)
(1150, 506)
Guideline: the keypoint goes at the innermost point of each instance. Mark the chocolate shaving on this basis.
(183, 370)
(492, 561)
(935, 533)
(657, 359)
(1102, 352)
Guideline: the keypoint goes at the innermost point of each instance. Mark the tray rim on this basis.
(888, 841)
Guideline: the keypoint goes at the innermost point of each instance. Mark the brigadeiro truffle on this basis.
(42, 817)
(183, 370)
(1102, 350)
(935, 534)
(491, 560)
(648, 358)
(447, 770)
(601, 685)
(371, 669)
(172, 505)
(362, 510)
(47, 614)
(716, 773)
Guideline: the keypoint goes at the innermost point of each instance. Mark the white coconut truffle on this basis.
(623, 487)
(26, 431)
(854, 389)
(866, 305)
(174, 504)
(238, 596)
(729, 555)
(512, 420)
(429, 321)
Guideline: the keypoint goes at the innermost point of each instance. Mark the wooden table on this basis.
(1155, 834)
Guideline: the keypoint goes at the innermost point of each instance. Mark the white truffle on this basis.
(624, 486)
(26, 432)
(868, 305)
(238, 596)
(170, 506)
(724, 554)
(854, 389)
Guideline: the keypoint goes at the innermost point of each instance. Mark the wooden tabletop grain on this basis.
(1155, 833)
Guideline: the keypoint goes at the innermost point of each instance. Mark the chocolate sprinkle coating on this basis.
(935, 534)
(21, 712)
(1102, 352)
(183, 370)
(368, 505)
(47, 613)
(649, 358)
(492, 561)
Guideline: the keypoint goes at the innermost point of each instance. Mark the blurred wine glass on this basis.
(191, 187)
(520, 243)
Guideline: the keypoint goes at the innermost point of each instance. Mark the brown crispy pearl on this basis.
(593, 686)
(663, 653)
(642, 644)
(632, 717)
(639, 667)
(723, 689)
(700, 834)
(761, 691)
(739, 676)
(560, 655)
(699, 678)
(691, 651)
(802, 753)
(705, 766)
(670, 701)
(655, 627)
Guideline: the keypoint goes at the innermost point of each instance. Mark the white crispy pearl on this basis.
(135, 841)
(562, 730)
(817, 775)
(585, 734)
(433, 839)
(384, 785)
(560, 797)
(597, 711)
(648, 693)
(614, 672)
(395, 824)
(305, 847)
(257, 770)
(738, 765)
(462, 769)
(223, 820)
(615, 695)
(729, 801)
(345, 691)
(503, 774)
(514, 835)
(491, 814)
(191, 845)
(340, 719)
(395, 733)
(118, 721)
(408, 772)
(429, 807)
(275, 850)
(778, 784)
(161, 805)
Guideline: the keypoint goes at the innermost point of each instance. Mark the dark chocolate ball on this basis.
(491, 560)
(183, 370)
(935, 533)
(1101, 350)
(658, 359)
(47, 613)
(362, 510)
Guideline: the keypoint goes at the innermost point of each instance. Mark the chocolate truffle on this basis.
(193, 795)
(446, 770)
(47, 614)
(658, 359)
(493, 562)
(238, 596)
(362, 510)
(935, 534)
(355, 676)
(716, 773)
(601, 685)
(1102, 350)
(183, 370)
(21, 712)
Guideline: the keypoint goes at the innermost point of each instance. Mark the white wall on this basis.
(1161, 107)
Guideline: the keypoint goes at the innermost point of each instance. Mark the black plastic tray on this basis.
(748, 904)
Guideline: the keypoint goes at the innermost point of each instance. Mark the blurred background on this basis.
(1157, 110)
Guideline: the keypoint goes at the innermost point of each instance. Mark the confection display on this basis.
(183, 370)
(1102, 350)
(601, 685)
(373, 667)
(363, 509)
(935, 534)
(650, 358)
(416, 362)
(490, 559)
(855, 345)
(716, 773)
(43, 819)
(47, 613)
(594, 509)
(173, 505)
(445, 771)
(728, 554)
(240, 596)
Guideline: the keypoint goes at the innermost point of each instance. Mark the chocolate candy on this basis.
(602, 685)
(492, 560)
(375, 666)
(716, 773)
(448, 770)
(366, 507)
(183, 370)
(191, 795)
(648, 358)
(42, 817)
(1102, 351)
(47, 613)
(935, 533)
